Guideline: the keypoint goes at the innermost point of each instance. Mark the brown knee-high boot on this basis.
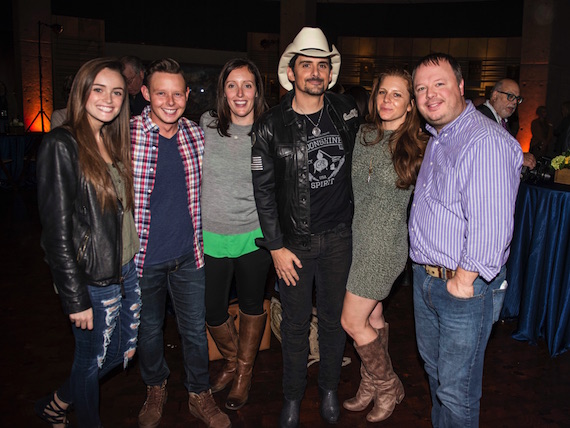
(389, 390)
(226, 339)
(251, 329)
(365, 393)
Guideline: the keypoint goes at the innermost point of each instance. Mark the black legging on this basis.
(250, 272)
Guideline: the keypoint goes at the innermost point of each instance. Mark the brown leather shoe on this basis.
(226, 339)
(250, 331)
(151, 412)
(203, 407)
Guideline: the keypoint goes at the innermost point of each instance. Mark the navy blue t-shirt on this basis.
(171, 233)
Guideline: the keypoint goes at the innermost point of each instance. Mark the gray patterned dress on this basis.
(380, 232)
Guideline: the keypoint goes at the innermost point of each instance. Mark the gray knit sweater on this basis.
(228, 206)
(380, 233)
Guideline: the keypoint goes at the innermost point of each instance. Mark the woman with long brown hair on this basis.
(231, 225)
(387, 158)
(85, 198)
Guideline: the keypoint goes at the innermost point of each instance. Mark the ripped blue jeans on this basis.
(116, 320)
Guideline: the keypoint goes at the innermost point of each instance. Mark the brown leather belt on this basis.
(439, 272)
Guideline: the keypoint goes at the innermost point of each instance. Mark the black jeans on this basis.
(325, 265)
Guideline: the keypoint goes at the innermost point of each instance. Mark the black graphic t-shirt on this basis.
(330, 190)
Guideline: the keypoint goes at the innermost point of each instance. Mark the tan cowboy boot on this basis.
(389, 390)
(365, 393)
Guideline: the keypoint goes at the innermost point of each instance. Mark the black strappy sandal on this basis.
(51, 412)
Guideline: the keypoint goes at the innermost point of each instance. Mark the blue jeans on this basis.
(186, 286)
(98, 351)
(326, 265)
(452, 335)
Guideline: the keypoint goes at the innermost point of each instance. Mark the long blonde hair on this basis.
(408, 142)
(115, 135)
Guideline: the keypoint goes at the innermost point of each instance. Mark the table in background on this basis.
(15, 150)
(538, 269)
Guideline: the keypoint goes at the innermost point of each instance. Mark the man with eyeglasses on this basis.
(133, 71)
(505, 97)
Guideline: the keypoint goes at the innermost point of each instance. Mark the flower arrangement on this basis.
(561, 166)
(561, 161)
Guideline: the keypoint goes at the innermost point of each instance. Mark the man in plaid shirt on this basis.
(171, 259)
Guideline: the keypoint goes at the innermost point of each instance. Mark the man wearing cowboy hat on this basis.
(301, 166)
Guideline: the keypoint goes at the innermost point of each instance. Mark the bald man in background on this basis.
(505, 97)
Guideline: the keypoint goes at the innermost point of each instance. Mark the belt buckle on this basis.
(439, 272)
(445, 273)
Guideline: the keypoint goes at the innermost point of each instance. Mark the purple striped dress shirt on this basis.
(463, 208)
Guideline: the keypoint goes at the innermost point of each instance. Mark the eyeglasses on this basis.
(512, 97)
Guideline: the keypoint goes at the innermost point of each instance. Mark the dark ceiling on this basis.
(224, 24)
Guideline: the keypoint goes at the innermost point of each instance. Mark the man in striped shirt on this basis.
(167, 152)
(460, 226)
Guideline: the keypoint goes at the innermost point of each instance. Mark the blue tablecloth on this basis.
(13, 152)
(538, 269)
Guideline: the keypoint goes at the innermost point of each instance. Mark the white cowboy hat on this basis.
(309, 42)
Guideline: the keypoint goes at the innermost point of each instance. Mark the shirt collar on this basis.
(497, 117)
(148, 124)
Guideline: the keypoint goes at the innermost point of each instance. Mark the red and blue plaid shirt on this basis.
(144, 145)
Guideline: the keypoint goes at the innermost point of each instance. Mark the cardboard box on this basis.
(562, 176)
(214, 353)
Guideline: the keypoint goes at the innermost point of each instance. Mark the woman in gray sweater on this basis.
(231, 225)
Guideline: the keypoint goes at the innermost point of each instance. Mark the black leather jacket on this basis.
(280, 168)
(82, 243)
